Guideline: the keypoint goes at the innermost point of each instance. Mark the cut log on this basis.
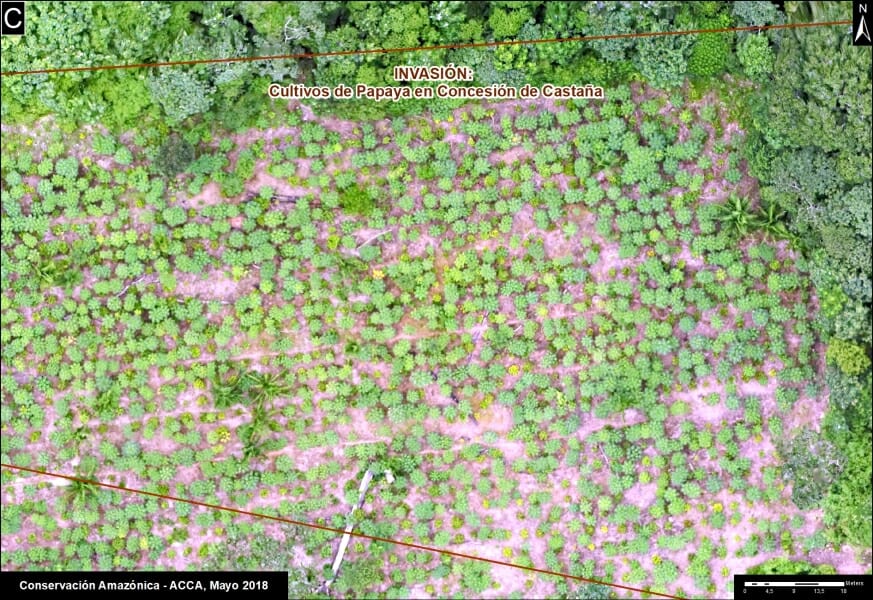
(347, 536)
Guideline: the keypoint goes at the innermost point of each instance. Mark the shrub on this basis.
(174, 156)
(356, 201)
(812, 464)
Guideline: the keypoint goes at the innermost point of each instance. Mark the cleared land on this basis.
(528, 312)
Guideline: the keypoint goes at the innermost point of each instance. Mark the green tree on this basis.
(228, 389)
(756, 56)
(736, 214)
(850, 357)
(180, 94)
(756, 12)
(475, 575)
(811, 464)
(81, 493)
(264, 387)
(663, 61)
(89, 34)
(356, 200)
(359, 576)
(592, 591)
(711, 51)
(174, 156)
(847, 507)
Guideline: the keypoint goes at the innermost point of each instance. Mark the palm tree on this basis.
(265, 417)
(265, 387)
(253, 446)
(254, 435)
(770, 220)
(736, 214)
(254, 438)
(57, 273)
(81, 492)
(227, 391)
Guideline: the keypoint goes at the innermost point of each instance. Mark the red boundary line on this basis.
(340, 531)
(421, 48)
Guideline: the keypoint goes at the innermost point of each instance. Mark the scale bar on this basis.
(795, 584)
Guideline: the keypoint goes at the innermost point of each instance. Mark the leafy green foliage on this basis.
(592, 591)
(81, 494)
(359, 575)
(356, 200)
(737, 215)
(232, 93)
(711, 50)
(770, 219)
(756, 56)
(663, 61)
(851, 358)
(174, 156)
(847, 506)
(228, 390)
(812, 464)
(812, 155)
(265, 387)
(753, 12)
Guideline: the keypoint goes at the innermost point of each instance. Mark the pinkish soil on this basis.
(497, 418)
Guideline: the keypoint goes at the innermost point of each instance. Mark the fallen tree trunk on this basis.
(347, 536)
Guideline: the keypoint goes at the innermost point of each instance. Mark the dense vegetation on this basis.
(810, 146)
(95, 33)
(593, 337)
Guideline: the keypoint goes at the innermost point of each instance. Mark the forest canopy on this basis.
(109, 33)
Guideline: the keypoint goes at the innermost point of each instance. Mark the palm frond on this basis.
(736, 214)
